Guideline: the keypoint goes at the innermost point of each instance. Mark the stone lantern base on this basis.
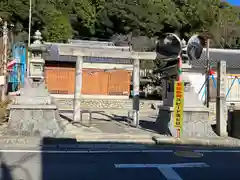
(196, 121)
(33, 113)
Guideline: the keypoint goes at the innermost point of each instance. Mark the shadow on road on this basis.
(74, 160)
(5, 171)
(149, 125)
(65, 158)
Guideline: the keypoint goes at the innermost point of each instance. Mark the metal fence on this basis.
(232, 91)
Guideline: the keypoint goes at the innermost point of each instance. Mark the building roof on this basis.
(231, 56)
(87, 42)
(53, 55)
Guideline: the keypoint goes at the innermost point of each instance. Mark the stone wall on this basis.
(105, 104)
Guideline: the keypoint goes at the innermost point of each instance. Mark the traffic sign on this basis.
(195, 47)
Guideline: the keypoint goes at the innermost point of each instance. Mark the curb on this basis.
(14, 142)
(120, 136)
(209, 142)
(89, 146)
(111, 138)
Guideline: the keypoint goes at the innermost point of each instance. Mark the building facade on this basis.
(196, 70)
(101, 76)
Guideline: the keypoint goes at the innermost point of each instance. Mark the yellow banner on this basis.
(178, 104)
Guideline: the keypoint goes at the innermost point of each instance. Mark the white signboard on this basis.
(2, 80)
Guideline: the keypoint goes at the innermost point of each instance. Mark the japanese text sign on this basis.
(178, 104)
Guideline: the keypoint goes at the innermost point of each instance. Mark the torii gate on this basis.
(105, 52)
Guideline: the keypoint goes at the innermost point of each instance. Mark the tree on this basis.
(225, 30)
(58, 28)
(142, 17)
(87, 13)
(105, 18)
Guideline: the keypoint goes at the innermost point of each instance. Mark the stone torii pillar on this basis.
(221, 105)
(78, 89)
(136, 85)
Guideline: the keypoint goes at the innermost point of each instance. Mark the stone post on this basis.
(136, 82)
(78, 89)
(221, 106)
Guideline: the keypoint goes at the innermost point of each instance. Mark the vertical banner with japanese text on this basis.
(178, 104)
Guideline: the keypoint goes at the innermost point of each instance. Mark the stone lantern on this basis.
(32, 112)
(36, 62)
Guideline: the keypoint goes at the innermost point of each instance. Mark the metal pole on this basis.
(78, 89)
(5, 46)
(207, 75)
(136, 82)
(179, 68)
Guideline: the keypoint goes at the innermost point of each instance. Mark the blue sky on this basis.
(234, 2)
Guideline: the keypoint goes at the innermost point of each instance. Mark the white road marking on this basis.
(110, 151)
(170, 174)
(177, 165)
(84, 151)
(217, 151)
(165, 169)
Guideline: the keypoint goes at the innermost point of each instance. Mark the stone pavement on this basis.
(107, 126)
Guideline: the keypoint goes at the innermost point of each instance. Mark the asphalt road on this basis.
(158, 163)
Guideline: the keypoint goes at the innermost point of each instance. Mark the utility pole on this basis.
(29, 33)
(207, 75)
(29, 22)
(5, 56)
